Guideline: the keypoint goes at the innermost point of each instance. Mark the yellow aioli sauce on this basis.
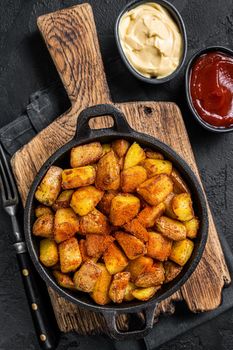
(151, 40)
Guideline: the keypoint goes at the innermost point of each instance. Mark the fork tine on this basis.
(8, 184)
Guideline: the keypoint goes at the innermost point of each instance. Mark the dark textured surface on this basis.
(25, 66)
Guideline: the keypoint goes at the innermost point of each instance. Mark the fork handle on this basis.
(45, 335)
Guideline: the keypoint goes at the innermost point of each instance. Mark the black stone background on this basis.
(25, 67)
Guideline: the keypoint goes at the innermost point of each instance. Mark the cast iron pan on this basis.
(120, 129)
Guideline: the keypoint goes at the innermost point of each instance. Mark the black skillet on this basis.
(120, 129)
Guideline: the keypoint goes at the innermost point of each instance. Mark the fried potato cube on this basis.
(157, 166)
(85, 199)
(86, 277)
(128, 291)
(153, 154)
(179, 184)
(106, 147)
(94, 222)
(171, 271)
(149, 215)
(181, 251)
(124, 207)
(168, 205)
(118, 286)
(48, 252)
(63, 280)
(131, 178)
(83, 250)
(145, 294)
(182, 206)
(50, 186)
(114, 259)
(152, 277)
(170, 228)
(158, 246)
(70, 256)
(105, 203)
(120, 147)
(43, 226)
(131, 245)
(63, 200)
(192, 227)
(156, 189)
(66, 224)
(139, 266)
(134, 156)
(136, 229)
(108, 172)
(85, 154)
(101, 287)
(97, 244)
(78, 177)
(41, 210)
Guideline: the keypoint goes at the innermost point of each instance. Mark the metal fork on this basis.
(10, 202)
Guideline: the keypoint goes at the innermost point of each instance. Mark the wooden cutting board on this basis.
(71, 38)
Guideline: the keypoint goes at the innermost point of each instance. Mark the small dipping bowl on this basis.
(177, 19)
(207, 126)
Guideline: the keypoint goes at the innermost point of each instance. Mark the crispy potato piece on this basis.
(158, 246)
(156, 189)
(131, 245)
(120, 147)
(41, 210)
(145, 294)
(153, 154)
(124, 207)
(63, 280)
(136, 228)
(152, 277)
(149, 215)
(70, 256)
(105, 203)
(94, 222)
(66, 224)
(78, 177)
(134, 156)
(63, 200)
(106, 147)
(115, 260)
(85, 199)
(85, 154)
(118, 286)
(131, 178)
(170, 228)
(101, 287)
(171, 271)
(139, 266)
(50, 186)
(86, 277)
(97, 244)
(128, 292)
(83, 250)
(157, 166)
(48, 252)
(182, 206)
(168, 205)
(43, 226)
(108, 172)
(192, 227)
(179, 184)
(181, 251)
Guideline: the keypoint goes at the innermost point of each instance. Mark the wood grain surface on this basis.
(71, 38)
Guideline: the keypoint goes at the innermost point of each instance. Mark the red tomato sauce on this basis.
(211, 88)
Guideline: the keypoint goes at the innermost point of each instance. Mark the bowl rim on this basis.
(189, 66)
(179, 21)
(128, 308)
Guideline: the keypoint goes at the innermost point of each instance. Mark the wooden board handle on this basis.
(71, 38)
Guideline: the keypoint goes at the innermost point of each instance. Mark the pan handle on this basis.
(110, 317)
(83, 129)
